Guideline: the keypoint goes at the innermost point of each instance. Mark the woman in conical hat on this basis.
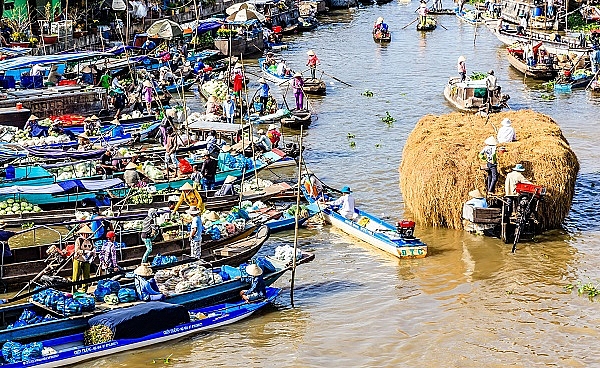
(190, 196)
(84, 253)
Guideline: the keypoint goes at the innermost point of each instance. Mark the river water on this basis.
(470, 303)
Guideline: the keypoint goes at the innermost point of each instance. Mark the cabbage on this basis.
(2, 212)
(3, 205)
(10, 201)
(37, 209)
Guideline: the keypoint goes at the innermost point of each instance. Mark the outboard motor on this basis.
(530, 196)
(406, 229)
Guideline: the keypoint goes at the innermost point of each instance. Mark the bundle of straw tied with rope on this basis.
(440, 164)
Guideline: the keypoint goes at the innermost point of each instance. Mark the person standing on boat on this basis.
(312, 184)
(550, 8)
(149, 230)
(105, 81)
(171, 148)
(97, 225)
(196, 230)
(190, 196)
(116, 131)
(238, 81)
(208, 172)
(297, 85)
(491, 83)
(595, 59)
(312, 63)
(274, 135)
(263, 94)
(116, 83)
(488, 153)
(227, 187)
(229, 109)
(345, 204)
(83, 255)
(131, 176)
(522, 27)
(422, 11)
(506, 133)
(106, 163)
(462, 68)
(147, 92)
(211, 143)
(262, 141)
(258, 289)
(108, 254)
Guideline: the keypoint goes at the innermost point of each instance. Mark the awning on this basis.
(204, 27)
(86, 185)
(28, 61)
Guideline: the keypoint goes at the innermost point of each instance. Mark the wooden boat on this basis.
(270, 75)
(513, 9)
(299, 118)
(395, 240)
(537, 71)
(27, 262)
(194, 298)
(470, 16)
(307, 24)
(441, 11)
(176, 88)
(473, 95)
(69, 350)
(430, 25)
(565, 46)
(381, 36)
(580, 79)
(314, 86)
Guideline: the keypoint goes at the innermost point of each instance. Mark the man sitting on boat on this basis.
(506, 133)
(510, 186)
(477, 201)
(345, 204)
(491, 83)
(263, 142)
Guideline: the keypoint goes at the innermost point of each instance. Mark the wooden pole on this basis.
(297, 216)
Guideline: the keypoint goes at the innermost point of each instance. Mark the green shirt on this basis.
(105, 81)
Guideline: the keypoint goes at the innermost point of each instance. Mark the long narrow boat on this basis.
(441, 11)
(537, 71)
(71, 349)
(194, 298)
(298, 118)
(312, 86)
(395, 240)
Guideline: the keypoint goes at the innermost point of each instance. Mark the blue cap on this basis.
(519, 167)
(346, 189)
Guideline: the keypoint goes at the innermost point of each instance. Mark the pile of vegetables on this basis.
(17, 206)
(216, 88)
(22, 138)
(152, 172)
(134, 115)
(140, 196)
(478, 76)
(576, 22)
(97, 334)
(80, 170)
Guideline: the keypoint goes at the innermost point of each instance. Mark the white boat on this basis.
(472, 96)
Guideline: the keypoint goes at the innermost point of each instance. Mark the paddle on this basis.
(441, 25)
(334, 78)
(410, 23)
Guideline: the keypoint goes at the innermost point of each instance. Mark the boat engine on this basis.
(406, 229)
(530, 196)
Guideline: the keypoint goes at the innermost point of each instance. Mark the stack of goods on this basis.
(67, 305)
(163, 260)
(111, 292)
(28, 317)
(17, 206)
(218, 227)
(152, 172)
(80, 170)
(134, 115)
(285, 254)
(255, 184)
(140, 196)
(185, 277)
(216, 88)
(14, 352)
(22, 138)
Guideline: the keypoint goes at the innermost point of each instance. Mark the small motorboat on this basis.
(516, 57)
(473, 96)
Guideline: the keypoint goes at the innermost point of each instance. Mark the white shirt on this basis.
(512, 179)
(347, 206)
(491, 82)
(506, 134)
(38, 69)
(280, 68)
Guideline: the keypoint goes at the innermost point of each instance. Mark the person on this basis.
(149, 230)
(101, 199)
(477, 201)
(149, 45)
(212, 107)
(83, 142)
(116, 83)
(422, 11)
(488, 153)
(97, 225)
(297, 85)
(83, 255)
(510, 187)
(211, 142)
(225, 159)
(346, 204)
(312, 184)
(550, 7)
(196, 230)
(238, 81)
(491, 83)
(227, 187)
(378, 23)
(116, 130)
(229, 109)
(34, 127)
(263, 94)
(119, 100)
(106, 163)
(262, 141)
(312, 63)
(190, 196)
(87, 75)
(281, 68)
(108, 254)
(105, 79)
(208, 171)
(131, 176)
(147, 93)
(437, 5)
(257, 290)
(522, 27)
(91, 125)
(5, 235)
(54, 76)
(38, 70)
(462, 68)
(196, 177)
(171, 148)
(270, 59)
(166, 76)
(595, 59)
(506, 133)
(274, 135)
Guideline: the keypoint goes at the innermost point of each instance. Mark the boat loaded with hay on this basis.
(440, 167)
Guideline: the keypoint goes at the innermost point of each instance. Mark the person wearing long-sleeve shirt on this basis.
(346, 204)
(108, 254)
(257, 290)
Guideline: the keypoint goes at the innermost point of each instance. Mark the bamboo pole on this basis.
(296, 215)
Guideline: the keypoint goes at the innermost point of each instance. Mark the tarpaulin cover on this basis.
(89, 185)
(58, 153)
(28, 61)
(142, 319)
(204, 27)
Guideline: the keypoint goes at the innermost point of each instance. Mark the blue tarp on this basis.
(208, 26)
(88, 185)
(28, 61)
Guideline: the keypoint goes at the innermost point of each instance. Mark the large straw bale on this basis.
(440, 164)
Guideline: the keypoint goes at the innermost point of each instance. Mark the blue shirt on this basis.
(197, 224)
(118, 131)
(477, 202)
(264, 90)
(258, 286)
(97, 227)
(229, 108)
(101, 202)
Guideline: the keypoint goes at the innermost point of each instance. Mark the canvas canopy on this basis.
(165, 28)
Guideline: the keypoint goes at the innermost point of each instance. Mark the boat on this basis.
(430, 25)
(536, 71)
(396, 240)
(566, 82)
(299, 118)
(176, 88)
(307, 23)
(441, 11)
(470, 16)
(194, 298)
(314, 86)
(512, 10)
(71, 349)
(472, 96)
(554, 44)
(272, 76)
(381, 36)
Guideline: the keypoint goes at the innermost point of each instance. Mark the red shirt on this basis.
(237, 82)
(274, 136)
(313, 61)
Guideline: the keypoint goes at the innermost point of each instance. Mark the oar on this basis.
(334, 78)
(414, 20)
(593, 79)
(441, 25)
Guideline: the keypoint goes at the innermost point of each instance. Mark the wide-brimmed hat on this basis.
(461, 58)
(226, 148)
(94, 117)
(212, 99)
(193, 210)
(186, 186)
(346, 189)
(506, 122)
(491, 141)
(310, 53)
(519, 167)
(229, 179)
(297, 75)
(212, 216)
(475, 193)
(379, 20)
(143, 270)
(85, 230)
(33, 117)
(272, 126)
(147, 83)
(86, 69)
(115, 122)
(131, 166)
(254, 270)
(262, 80)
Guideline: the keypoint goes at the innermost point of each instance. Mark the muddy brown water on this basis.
(470, 303)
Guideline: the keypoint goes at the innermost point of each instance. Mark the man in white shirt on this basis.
(506, 133)
(38, 69)
(281, 68)
(510, 186)
(346, 203)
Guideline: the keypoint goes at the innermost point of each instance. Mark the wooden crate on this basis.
(487, 215)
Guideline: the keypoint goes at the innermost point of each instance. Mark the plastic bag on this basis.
(185, 167)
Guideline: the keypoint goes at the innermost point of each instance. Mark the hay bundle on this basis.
(440, 164)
